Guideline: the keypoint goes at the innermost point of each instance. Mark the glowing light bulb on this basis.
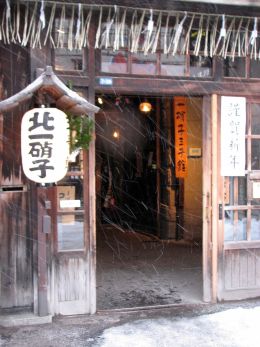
(145, 107)
(116, 134)
(100, 100)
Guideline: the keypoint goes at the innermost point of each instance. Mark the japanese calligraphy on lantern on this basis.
(44, 144)
(233, 127)
(180, 125)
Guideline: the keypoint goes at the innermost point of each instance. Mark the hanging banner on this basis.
(180, 126)
(44, 144)
(233, 128)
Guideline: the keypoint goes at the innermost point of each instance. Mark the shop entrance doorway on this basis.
(149, 222)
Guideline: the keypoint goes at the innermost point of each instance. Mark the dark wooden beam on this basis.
(171, 5)
(155, 86)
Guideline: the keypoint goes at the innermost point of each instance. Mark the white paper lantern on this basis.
(44, 144)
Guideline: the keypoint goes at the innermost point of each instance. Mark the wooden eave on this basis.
(48, 83)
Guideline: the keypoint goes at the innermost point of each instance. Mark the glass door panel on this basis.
(70, 218)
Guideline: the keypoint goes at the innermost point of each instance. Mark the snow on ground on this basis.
(232, 328)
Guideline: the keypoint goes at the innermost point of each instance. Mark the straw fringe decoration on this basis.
(66, 25)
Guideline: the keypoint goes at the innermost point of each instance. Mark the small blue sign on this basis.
(105, 81)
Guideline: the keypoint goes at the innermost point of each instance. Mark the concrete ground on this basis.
(135, 269)
(85, 331)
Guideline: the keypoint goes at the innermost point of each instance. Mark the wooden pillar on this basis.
(90, 180)
(214, 113)
(167, 202)
(43, 309)
(158, 162)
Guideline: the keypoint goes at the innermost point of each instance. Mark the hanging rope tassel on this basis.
(178, 33)
(252, 40)
(148, 34)
(61, 30)
(40, 27)
(122, 29)
(165, 41)
(186, 45)
(98, 34)
(109, 23)
(228, 36)
(25, 24)
(42, 15)
(199, 37)
(8, 28)
(13, 25)
(78, 30)
(222, 35)
(137, 30)
(172, 37)
(206, 51)
(29, 34)
(18, 14)
(245, 40)
(70, 33)
(85, 42)
(158, 32)
(236, 42)
(1, 30)
(32, 29)
(50, 27)
(213, 37)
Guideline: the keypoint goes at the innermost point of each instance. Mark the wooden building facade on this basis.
(122, 50)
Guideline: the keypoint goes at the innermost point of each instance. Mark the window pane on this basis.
(173, 65)
(255, 225)
(235, 191)
(200, 66)
(256, 119)
(70, 232)
(255, 68)
(242, 190)
(255, 154)
(144, 64)
(66, 60)
(236, 68)
(235, 225)
(114, 62)
(229, 191)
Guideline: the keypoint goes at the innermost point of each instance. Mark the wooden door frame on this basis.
(209, 197)
(207, 262)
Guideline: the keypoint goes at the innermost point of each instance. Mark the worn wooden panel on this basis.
(257, 267)
(71, 279)
(70, 285)
(251, 268)
(15, 251)
(241, 269)
(15, 212)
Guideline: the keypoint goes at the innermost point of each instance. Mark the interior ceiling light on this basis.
(100, 100)
(145, 107)
(116, 134)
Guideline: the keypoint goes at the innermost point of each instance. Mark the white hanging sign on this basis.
(44, 144)
(233, 127)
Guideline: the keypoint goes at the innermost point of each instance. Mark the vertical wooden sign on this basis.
(181, 146)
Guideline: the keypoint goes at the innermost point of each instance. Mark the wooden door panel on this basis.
(238, 236)
(70, 285)
(240, 268)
